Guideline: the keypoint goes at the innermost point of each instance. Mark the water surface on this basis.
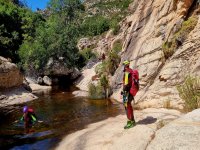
(61, 113)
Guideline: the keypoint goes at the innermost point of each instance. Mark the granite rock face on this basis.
(182, 133)
(10, 75)
(153, 23)
(109, 134)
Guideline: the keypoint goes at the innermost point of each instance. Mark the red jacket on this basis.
(133, 75)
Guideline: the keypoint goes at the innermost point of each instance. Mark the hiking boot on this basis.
(130, 124)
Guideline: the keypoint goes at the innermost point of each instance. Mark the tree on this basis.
(17, 24)
(10, 30)
(56, 38)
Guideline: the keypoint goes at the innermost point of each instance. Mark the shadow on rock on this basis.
(147, 120)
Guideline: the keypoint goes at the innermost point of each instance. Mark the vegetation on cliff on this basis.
(189, 91)
(108, 67)
(179, 37)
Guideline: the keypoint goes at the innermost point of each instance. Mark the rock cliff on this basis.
(11, 81)
(152, 24)
(161, 40)
(10, 75)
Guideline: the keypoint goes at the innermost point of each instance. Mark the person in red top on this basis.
(130, 88)
(28, 117)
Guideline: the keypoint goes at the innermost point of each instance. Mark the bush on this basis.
(112, 62)
(114, 25)
(102, 68)
(113, 10)
(101, 90)
(105, 84)
(187, 26)
(95, 25)
(117, 47)
(88, 54)
(96, 92)
(168, 49)
(189, 91)
(120, 4)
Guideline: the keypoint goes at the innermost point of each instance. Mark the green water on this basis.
(61, 113)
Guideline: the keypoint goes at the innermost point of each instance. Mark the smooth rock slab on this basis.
(109, 134)
(181, 134)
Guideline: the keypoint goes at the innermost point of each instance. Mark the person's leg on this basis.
(130, 116)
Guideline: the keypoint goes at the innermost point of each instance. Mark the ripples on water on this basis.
(61, 113)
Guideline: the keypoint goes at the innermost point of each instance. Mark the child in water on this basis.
(29, 118)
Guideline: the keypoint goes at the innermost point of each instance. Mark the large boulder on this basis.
(75, 74)
(83, 82)
(47, 80)
(14, 96)
(59, 68)
(39, 80)
(10, 75)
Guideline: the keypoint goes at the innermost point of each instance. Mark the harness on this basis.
(125, 98)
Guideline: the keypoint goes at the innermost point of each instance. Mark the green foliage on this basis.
(117, 46)
(96, 92)
(109, 4)
(95, 25)
(68, 10)
(88, 54)
(110, 64)
(114, 25)
(104, 81)
(105, 84)
(10, 29)
(187, 26)
(189, 91)
(108, 17)
(168, 49)
(113, 58)
(17, 24)
(101, 90)
(30, 21)
(55, 38)
(101, 68)
(35, 38)
(84, 56)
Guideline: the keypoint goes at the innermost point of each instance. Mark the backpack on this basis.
(135, 82)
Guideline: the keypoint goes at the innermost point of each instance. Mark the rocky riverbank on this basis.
(155, 129)
(15, 96)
